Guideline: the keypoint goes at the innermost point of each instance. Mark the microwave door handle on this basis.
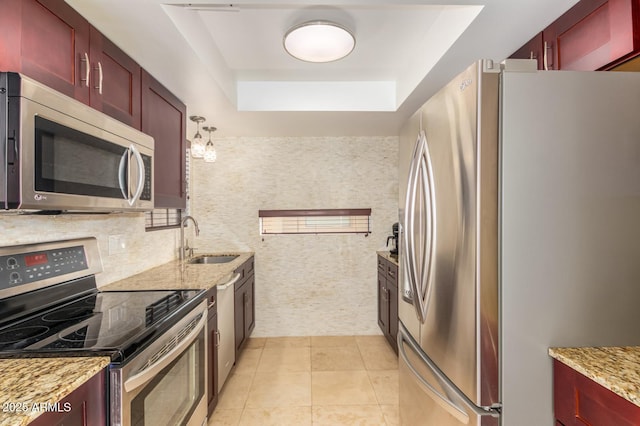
(122, 170)
(140, 186)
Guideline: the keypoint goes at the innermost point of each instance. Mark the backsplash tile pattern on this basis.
(305, 284)
(143, 251)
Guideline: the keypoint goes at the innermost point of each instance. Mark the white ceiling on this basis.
(227, 63)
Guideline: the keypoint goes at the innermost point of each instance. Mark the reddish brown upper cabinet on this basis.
(50, 42)
(85, 406)
(592, 35)
(114, 81)
(580, 401)
(164, 118)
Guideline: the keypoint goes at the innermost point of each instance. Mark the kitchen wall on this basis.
(305, 284)
(143, 250)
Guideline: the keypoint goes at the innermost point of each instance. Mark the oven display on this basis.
(35, 259)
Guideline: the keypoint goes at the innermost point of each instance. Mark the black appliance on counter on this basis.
(50, 306)
(394, 239)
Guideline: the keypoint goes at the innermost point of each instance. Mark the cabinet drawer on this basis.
(382, 264)
(392, 273)
(245, 270)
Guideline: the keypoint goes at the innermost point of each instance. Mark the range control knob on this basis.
(12, 263)
(14, 278)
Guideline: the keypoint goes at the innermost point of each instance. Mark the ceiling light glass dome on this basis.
(319, 41)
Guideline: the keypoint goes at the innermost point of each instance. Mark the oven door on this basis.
(165, 384)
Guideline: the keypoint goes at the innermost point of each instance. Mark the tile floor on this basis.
(341, 380)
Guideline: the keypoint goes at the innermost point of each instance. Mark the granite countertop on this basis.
(28, 382)
(615, 368)
(176, 275)
(387, 255)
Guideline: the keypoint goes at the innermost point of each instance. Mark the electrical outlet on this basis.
(116, 244)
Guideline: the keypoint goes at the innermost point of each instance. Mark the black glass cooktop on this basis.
(110, 323)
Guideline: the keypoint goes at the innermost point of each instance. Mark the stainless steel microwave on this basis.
(58, 154)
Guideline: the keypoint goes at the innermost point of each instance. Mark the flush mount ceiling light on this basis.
(319, 41)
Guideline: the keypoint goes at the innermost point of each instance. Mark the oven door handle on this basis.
(152, 370)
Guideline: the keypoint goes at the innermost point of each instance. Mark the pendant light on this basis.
(210, 154)
(197, 144)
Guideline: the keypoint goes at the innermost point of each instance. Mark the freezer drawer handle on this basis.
(444, 402)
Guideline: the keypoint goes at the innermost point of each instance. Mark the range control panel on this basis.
(26, 268)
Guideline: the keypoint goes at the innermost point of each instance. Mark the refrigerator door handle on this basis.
(420, 182)
(408, 259)
(455, 410)
(428, 195)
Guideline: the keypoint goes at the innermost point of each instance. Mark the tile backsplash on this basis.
(305, 284)
(143, 250)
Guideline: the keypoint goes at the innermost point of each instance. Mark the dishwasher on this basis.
(226, 329)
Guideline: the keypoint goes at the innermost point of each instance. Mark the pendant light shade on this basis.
(210, 154)
(319, 41)
(197, 143)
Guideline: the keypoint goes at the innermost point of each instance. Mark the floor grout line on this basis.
(254, 366)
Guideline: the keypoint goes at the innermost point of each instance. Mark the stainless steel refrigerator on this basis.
(520, 231)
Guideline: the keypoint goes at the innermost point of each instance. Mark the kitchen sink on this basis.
(213, 258)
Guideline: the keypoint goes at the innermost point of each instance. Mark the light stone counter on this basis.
(26, 383)
(387, 255)
(175, 275)
(615, 368)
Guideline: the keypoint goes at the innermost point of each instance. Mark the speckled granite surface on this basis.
(25, 383)
(615, 368)
(387, 255)
(177, 276)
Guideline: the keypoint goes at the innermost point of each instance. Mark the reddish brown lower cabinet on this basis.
(579, 400)
(592, 35)
(388, 300)
(85, 406)
(212, 351)
(244, 305)
(164, 118)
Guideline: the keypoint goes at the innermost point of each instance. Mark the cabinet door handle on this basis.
(100, 76)
(211, 305)
(87, 67)
(218, 338)
(545, 56)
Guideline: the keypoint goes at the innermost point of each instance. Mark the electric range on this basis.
(157, 340)
(50, 306)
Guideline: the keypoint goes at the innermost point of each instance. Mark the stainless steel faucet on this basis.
(185, 246)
